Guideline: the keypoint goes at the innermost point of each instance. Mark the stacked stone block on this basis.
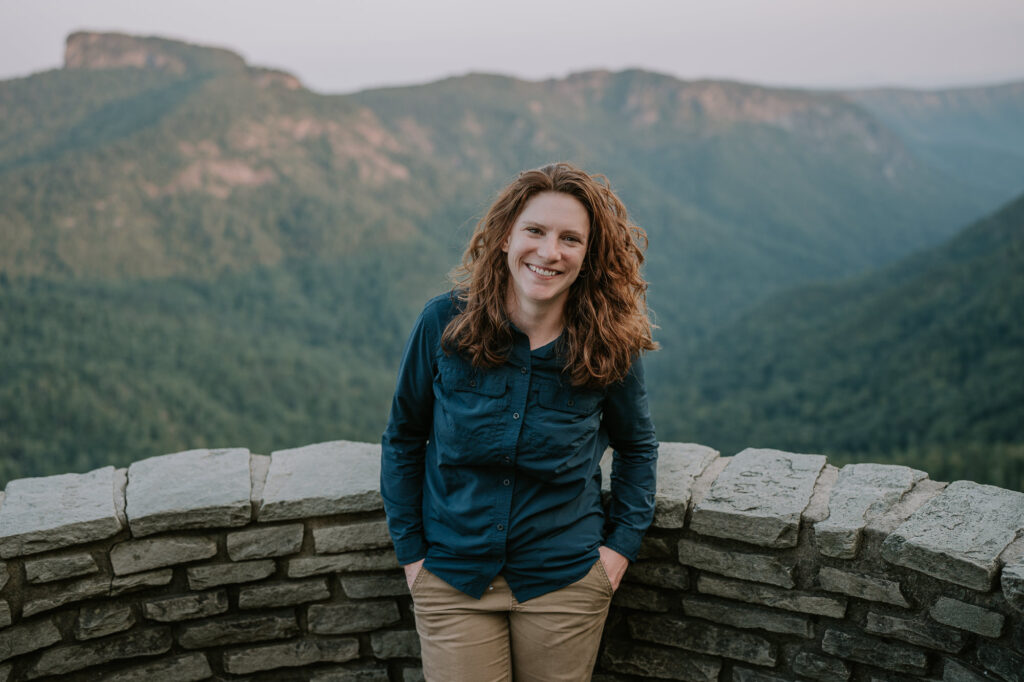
(222, 564)
(206, 564)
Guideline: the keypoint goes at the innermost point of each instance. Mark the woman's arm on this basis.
(627, 419)
(405, 439)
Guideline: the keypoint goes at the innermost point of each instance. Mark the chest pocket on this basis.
(469, 410)
(565, 417)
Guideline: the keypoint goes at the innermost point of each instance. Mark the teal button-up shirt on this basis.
(488, 471)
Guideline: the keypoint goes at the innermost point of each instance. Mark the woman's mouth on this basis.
(541, 271)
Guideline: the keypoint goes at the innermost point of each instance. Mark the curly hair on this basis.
(606, 318)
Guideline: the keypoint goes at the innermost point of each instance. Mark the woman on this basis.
(510, 389)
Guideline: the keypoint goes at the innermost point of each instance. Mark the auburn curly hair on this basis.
(606, 319)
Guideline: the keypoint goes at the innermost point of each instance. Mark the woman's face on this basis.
(545, 249)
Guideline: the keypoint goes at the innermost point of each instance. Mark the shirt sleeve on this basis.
(627, 419)
(404, 442)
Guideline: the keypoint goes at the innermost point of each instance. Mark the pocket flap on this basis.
(576, 401)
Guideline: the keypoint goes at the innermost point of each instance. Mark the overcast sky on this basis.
(342, 46)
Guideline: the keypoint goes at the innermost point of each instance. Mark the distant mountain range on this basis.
(199, 252)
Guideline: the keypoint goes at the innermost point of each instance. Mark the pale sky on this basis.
(337, 46)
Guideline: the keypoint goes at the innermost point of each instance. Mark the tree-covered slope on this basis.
(924, 359)
(976, 135)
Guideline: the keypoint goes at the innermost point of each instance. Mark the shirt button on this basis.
(472, 382)
(571, 402)
(515, 415)
(508, 460)
(506, 481)
(522, 370)
(501, 527)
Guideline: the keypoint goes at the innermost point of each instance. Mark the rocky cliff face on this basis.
(87, 50)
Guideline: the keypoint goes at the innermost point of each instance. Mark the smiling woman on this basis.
(510, 389)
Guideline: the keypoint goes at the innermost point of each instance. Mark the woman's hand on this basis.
(411, 571)
(615, 565)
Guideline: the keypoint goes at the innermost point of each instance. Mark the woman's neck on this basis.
(542, 323)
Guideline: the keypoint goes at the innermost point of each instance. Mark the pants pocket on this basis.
(603, 577)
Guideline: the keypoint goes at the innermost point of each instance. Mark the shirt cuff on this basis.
(410, 549)
(625, 541)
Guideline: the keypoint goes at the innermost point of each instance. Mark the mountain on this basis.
(924, 358)
(973, 134)
(200, 252)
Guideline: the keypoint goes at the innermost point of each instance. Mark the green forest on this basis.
(203, 259)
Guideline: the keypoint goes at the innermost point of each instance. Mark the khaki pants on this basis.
(551, 638)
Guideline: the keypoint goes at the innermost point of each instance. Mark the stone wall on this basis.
(763, 566)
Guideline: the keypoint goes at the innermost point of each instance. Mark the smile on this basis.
(542, 271)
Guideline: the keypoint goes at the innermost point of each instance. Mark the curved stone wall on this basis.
(763, 566)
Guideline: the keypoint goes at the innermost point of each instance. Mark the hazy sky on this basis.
(341, 46)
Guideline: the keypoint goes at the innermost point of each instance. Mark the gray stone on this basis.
(5, 670)
(323, 479)
(4, 575)
(347, 674)
(956, 671)
(164, 492)
(959, 534)
(703, 638)
(790, 600)
(68, 658)
(368, 586)
(25, 638)
(184, 668)
(60, 568)
(40, 514)
(340, 619)
(1003, 662)
(916, 632)
(413, 675)
(270, 656)
(136, 556)
(748, 675)
(214, 575)
(759, 498)
(370, 560)
(351, 538)
(1013, 585)
(745, 565)
(5, 614)
(645, 661)
(967, 617)
(862, 492)
(679, 465)
(640, 598)
(655, 548)
(861, 586)
(874, 652)
(395, 644)
(817, 667)
(338, 650)
(136, 581)
(262, 543)
(658, 574)
(186, 607)
(103, 619)
(283, 594)
(748, 617)
(76, 590)
(238, 630)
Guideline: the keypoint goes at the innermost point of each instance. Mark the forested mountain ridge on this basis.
(201, 253)
(922, 360)
(973, 134)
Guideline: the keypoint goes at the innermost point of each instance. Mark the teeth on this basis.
(542, 271)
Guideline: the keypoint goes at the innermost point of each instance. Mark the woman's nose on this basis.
(549, 250)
